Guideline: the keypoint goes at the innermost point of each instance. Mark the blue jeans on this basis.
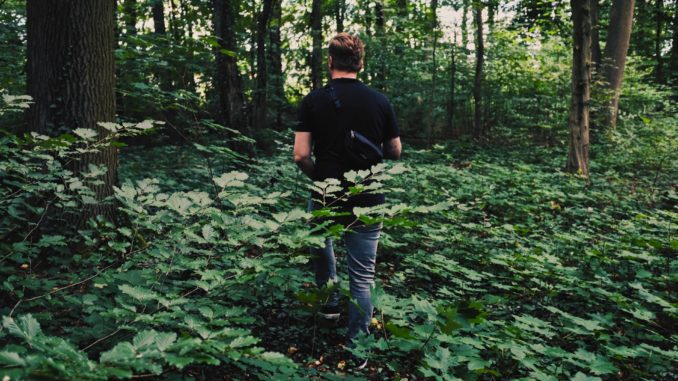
(361, 247)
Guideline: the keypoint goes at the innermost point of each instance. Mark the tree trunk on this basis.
(339, 14)
(434, 43)
(659, 19)
(453, 85)
(130, 17)
(596, 54)
(673, 55)
(275, 63)
(616, 47)
(478, 80)
(464, 25)
(316, 53)
(158, 10)
(578, 155)
(260, 90)
(227, 79)
(71, 77)
(379, 59)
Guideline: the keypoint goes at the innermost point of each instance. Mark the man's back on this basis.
(364, 110)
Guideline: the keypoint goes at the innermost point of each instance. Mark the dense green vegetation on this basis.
(495, 262)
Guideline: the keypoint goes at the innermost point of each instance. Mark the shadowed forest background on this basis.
(153, 223)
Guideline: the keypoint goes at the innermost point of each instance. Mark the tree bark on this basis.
(478, 80)
(616, 48)
(339, 14)
(316, 36)
(596, 54)
(227, 80)
(260, 97)
(71, 77)
(578, 154)
(275, 63)
(158, 10)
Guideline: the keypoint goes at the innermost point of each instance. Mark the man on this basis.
(321, 128)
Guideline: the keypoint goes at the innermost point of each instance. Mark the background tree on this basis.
(260, 101)
(478, 81)
(614, 56)
(71, 77)
(227, 78)
(315, 22)
(578, 153)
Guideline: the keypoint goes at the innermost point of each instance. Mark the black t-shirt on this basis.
(364, 110)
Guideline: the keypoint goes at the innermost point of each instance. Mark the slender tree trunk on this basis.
(578, 155)
(158, 10)
(596, 54)
(434, 43)
(478, 80)
(227, 80)
(71, 77)
(379, 79)
(659, 19)
(464, 24)
(339, 14)
(316, 36)
(616, 48)
(673, 55)
(453, 85)
(275, 63)
(260, 97)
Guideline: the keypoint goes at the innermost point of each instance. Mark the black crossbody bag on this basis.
(361, 152)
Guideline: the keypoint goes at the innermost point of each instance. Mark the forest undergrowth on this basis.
(493, 264)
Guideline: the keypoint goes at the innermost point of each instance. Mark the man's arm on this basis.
(302, 153)
(392, 148)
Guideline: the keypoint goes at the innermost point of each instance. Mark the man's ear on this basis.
(360, 65)
(329, 62)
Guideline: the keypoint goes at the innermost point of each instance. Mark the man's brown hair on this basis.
(347, 52)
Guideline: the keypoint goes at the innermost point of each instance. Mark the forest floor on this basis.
(526, 272)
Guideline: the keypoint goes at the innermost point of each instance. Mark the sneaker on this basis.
(330, 312)
(359, 363)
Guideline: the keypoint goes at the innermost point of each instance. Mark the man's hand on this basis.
(302, 153)
(392, 149)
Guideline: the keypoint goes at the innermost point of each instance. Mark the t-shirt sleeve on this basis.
(304, 117)
(391, 130)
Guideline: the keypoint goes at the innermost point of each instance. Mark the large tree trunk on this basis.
(71, 77)
(227, 80)
(478, 80)
(158, 10)
(275, 63)
(596, 54)
(316, 36)
(260, 90)
(578, 155)
(616, 48)
(340, 14)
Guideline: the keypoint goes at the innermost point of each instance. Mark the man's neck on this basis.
(335, 74)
